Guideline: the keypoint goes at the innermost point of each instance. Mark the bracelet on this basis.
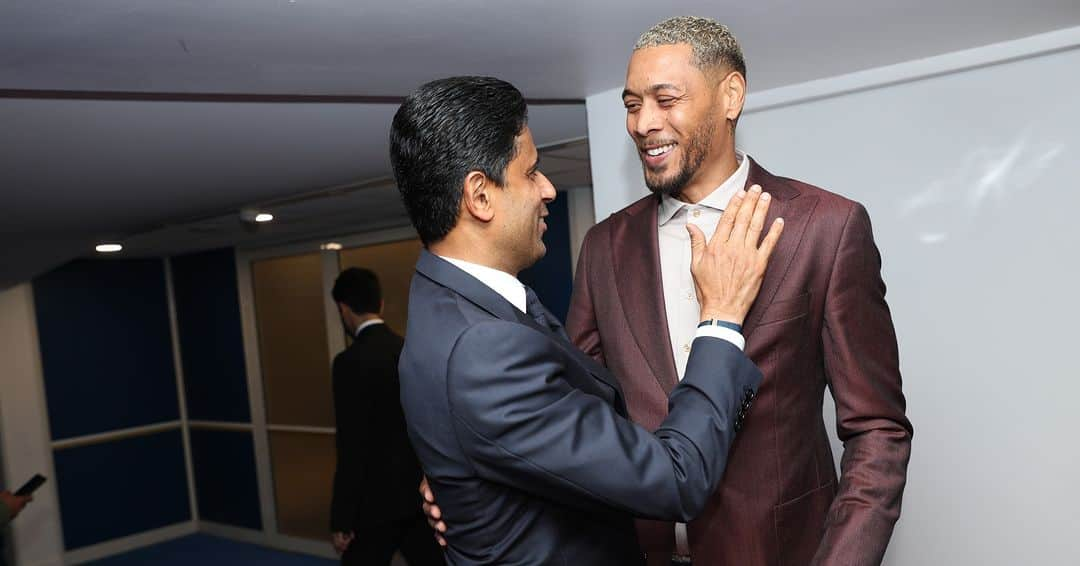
(722, 324)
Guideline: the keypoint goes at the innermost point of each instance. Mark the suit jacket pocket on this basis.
(800, 524)
(781, 310)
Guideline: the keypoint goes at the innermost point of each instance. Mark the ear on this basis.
(476, 197)
(732, 91)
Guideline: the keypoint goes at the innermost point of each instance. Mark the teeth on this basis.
(660, 150)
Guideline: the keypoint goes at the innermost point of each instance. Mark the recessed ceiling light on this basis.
(264, 217)
(108, 248)
(331, 246)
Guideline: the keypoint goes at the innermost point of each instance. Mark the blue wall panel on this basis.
(225, 483)
(121, 487)
(552, 276)
(106, 346)
(211, 342)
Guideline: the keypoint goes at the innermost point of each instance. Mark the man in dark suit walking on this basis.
(523, 438)
(375, 505)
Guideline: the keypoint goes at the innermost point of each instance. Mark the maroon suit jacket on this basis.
(820, 319)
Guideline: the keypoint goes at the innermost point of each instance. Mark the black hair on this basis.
(443, 131)
(359, 290)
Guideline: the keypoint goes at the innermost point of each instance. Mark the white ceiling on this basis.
(550, 48)
(76, 171)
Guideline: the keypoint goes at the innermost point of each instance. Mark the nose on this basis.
(547, 190)
(645, 121)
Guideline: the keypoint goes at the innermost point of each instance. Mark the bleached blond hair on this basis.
(713, 45)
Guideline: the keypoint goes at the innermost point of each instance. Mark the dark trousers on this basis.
(375, 545)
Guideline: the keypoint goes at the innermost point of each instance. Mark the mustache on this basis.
(657, 142)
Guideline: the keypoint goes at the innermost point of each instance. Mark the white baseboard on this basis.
(132, 542)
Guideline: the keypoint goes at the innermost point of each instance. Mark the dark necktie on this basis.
(536, 310)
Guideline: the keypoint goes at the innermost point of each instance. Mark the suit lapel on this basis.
(558, 334)
(448, 275)
(635, 255)
(640, 287)
(796, 210)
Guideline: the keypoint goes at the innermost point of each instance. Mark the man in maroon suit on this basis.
(820, 320)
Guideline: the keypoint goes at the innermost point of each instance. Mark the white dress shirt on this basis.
(367, 323)
(501, 282)
(509, 288)
(680, 298)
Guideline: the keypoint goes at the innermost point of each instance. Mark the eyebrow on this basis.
(536, 164)
(653, 89)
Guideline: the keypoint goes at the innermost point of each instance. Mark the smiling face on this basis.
(521, 206)
(676, 114)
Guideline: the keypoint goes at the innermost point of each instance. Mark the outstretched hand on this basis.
(728, 269)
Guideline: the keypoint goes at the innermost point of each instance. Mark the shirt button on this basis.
(690, 295)
(696, 213)
(686, 348)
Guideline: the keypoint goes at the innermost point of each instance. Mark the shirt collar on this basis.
(501, 282)
(365, 324)
(718, 199)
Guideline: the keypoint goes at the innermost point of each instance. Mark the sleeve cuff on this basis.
(722, 333)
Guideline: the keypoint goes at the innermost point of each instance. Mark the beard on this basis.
(695, 150)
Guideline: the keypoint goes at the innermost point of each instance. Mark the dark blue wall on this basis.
(106, 352)
(215, 383)
(121, 487)
(551, 277)
(226, 488)
(106, 346)
(211, 342)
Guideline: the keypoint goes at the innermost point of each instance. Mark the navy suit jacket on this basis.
(525, 440)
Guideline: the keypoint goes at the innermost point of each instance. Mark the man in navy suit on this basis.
(523, 438)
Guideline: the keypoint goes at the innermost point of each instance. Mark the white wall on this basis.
(24, 429)
(968, 164)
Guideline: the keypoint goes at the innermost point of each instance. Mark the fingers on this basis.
(727, 218)
(746, 211)
(425, 491)
(697, 242)
(767, 246)
(436, 525)
(434, 517)
(757, 221)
